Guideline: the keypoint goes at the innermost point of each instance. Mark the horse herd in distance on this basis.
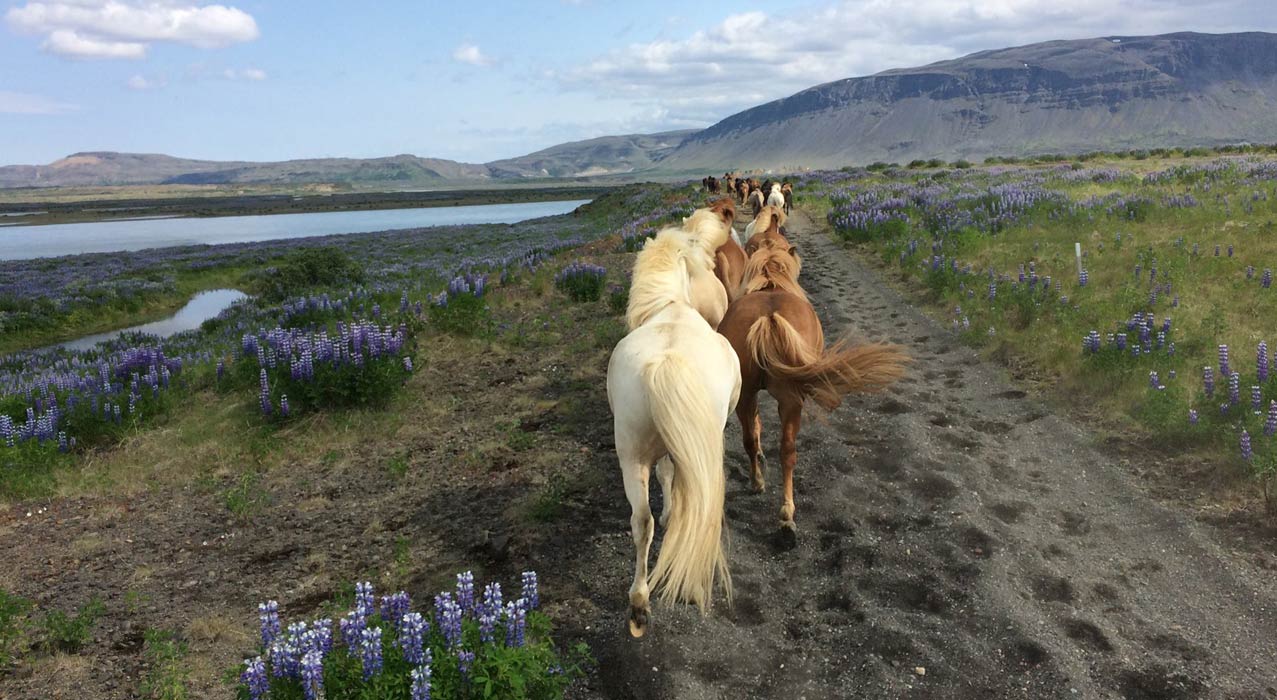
(710, 324)
(748, 190)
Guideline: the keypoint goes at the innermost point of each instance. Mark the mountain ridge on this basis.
(1064, 96)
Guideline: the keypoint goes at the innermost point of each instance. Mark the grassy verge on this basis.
(981, 244)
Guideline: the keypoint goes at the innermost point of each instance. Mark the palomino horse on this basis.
(709, 230)
(672, 384)
(729, 258)
(781, 346)
(768, 223)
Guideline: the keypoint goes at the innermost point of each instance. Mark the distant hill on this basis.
(608, 155)
(1116, 92)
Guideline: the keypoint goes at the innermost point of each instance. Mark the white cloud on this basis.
(141, 82)
(24, 103)
(254, 74)
(469, 53)
(126, 28)
(752, 57)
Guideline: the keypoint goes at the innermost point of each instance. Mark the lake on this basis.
(203, 306)
(18, 242)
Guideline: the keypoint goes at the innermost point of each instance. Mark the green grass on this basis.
(1217, 303)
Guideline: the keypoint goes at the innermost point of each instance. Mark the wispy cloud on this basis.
(24, 103)
(126, 28)
(141, 82)
(755, 56)
(253, 74)
(470, 53)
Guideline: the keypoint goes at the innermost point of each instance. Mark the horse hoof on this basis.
(788, 534)
(759, 486)
(638, 621)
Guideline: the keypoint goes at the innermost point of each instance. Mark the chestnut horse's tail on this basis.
(692, 554)
(824, 375)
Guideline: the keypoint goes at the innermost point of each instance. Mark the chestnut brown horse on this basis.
(742, 190)
(787, 190)
(781, 346)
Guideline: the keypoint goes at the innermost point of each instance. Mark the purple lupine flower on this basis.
(1261, 361)
(492, 598)
(420, 682)
(407, 364)
(364, 599)
(394, 606)
(465, 591)
(1172, 375)
(515, 622)
(254, 677)
(1230, 250)
(465, 659)
(1245, 445)
(352, 630)
(1267, 280)
(1208, 381)
(993, 290)
(1192, 416)
(487, 625)
(1270, 426)
(1083, 277)
(283, 405)
(450, 622)
(221, 369)
(1224, 370)
(312, 671)
(1119, 340)
(1250, 272)
(1217, 250)
(1234, 389)
(412, 631)
(268, 614)
(370, 651)
(265, 393)
(1257, 400)
(530, 591)
(1153, 381)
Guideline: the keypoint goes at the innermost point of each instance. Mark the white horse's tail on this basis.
(692, 555)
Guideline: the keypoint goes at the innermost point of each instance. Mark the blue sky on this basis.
(477, 81)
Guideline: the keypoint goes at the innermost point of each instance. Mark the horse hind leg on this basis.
(751, 428)
(642, 527)
(791, 418)
(665, 475)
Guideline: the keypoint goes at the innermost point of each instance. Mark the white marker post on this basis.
(1077, 250)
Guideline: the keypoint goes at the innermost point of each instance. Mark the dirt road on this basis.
(957, 540)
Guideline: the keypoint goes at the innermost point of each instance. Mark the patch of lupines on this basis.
(582, 281)
(394, 606)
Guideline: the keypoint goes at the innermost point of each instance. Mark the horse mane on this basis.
(707, 229)
(662, 275)
(772, 267)
(766, 215)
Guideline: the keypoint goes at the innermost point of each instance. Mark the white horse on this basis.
(671, 385)
(776, 198)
